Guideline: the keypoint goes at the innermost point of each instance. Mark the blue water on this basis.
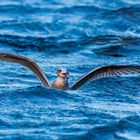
(78, 35)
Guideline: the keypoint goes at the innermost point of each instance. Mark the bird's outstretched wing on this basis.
(106, 71)
(27, 62)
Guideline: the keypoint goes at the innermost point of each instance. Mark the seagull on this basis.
(61, 81)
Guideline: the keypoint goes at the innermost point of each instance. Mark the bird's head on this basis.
(62, 73)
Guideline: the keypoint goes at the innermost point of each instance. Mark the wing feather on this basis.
(106, 71)
(28, 63)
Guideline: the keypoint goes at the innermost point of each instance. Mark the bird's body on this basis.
(61, 82)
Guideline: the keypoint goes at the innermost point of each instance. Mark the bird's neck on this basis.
(60, 83)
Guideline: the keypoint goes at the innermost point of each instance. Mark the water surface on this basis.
(78, 35)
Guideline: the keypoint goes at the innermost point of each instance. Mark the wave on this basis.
(17, 9)
(124, 129)
(114, 39)
(130, 13)
(48, 44)
(37, 92)
(43, 43)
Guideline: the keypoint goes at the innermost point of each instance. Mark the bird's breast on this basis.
(60, 84)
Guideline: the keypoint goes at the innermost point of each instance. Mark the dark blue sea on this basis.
(78, 35)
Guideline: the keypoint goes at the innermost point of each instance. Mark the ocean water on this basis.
(78, 35)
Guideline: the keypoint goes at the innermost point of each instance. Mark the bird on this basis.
(61, 81)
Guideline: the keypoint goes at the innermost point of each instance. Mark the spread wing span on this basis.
(106, 71)
(28, 63)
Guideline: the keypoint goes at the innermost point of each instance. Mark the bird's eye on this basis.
(58, 70)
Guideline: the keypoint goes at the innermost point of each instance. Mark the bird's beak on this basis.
(66, 74)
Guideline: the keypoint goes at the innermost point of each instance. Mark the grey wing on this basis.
(106, 71)
(27, 62)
